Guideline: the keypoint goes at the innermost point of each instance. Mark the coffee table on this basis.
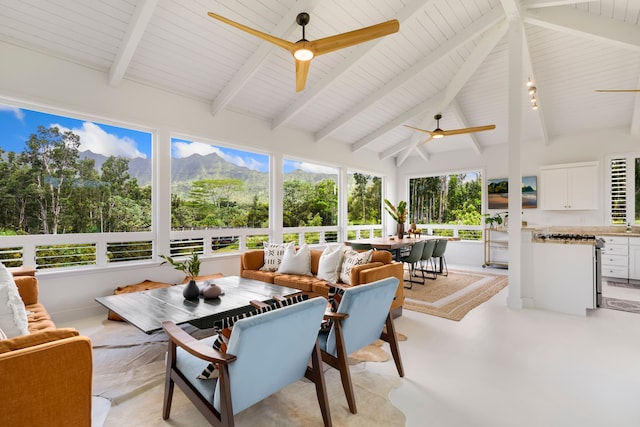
(147, 310)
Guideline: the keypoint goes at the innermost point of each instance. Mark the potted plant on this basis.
(398, 213)
(492, 219)
(190, 267)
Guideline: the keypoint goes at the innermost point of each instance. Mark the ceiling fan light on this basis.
(437, 134)
(303, 55)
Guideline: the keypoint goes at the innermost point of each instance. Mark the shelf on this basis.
(492, 243)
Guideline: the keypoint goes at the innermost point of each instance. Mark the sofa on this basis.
(47, 374)
(380, 267)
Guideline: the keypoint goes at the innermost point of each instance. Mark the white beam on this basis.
(392, 151)
(450, 46)
(310, 94)
(286, 25)
(444, 98)
(528, 65)
(139, 21)
(635, 115)
(591, 27)
(533, 4)
(465, 123)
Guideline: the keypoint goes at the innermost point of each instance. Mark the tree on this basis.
(53, 157)
(360, 189)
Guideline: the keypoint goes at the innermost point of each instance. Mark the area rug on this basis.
(129, 372)
(620, 304)
(453, 296)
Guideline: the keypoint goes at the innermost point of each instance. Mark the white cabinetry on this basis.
(634, 258)
(569, 186)
(615, 257)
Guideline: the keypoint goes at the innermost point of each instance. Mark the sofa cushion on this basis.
(13, 315)
(330, 263)
(38, 318)
(296, 262)
(273, 254)
(263, 276)
(297, 281)
(25, 341)
(351, 259)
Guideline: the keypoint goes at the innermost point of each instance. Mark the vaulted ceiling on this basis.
(449, 57)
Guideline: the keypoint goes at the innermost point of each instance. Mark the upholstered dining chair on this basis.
(438, 253)
(361, 246)
(265, 353)
(427, 258)
(414, 257)
(359, 320)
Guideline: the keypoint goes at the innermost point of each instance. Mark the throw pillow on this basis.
(273, 253)
(224, 328)
(13, 315)
(351, 259)
(334, 297)
(296, 262)
(329, 264)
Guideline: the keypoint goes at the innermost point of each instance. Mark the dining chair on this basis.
(438, 252)
(411, 260)
(359, 320)
(265, 353)
(427, 258)
(361, 246)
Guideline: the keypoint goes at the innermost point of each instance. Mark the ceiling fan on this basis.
(617, 90)
(304, 50)
(439, 133)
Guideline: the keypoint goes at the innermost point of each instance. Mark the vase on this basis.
(191, 290)
(400, 231)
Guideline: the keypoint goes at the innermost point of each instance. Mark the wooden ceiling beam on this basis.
(286, 25)
(450, 46)
(354, 58)
(587, 26)
(137, 26)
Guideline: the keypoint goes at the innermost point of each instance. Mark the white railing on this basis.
(95, 248)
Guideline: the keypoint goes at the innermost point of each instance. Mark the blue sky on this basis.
(17, 125)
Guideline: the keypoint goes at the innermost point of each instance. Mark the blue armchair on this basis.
(359, 320)
(265, 353)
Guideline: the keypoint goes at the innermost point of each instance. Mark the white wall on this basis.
(33, 80)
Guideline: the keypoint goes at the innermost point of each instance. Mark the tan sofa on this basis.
(381, 266)
(46, 375)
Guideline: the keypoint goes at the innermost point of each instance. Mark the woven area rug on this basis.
(453, 296)
(129, 372)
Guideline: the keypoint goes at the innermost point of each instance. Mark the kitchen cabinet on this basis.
(563, 277)
(569, 186)
(615, 257)
(634, 258)
(496, 246)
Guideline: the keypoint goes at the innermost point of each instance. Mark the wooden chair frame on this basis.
(340, 361)
(224, 418)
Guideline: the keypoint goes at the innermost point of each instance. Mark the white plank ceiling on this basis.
(449, 57)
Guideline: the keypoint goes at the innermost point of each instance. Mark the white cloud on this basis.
(95, 139)
(185, 149)
(17, 112)
(313, 168)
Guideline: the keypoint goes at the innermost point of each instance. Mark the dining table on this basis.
(395, 244)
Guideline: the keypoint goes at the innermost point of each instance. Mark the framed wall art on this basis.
(498, 192)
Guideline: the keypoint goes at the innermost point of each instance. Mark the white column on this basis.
(514, 132)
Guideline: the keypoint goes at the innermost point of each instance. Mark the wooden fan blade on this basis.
(467, 130)
(427, 140)
(421, 130)
(302, 69)
(617, 90)
(339, 41)
(268, 37)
